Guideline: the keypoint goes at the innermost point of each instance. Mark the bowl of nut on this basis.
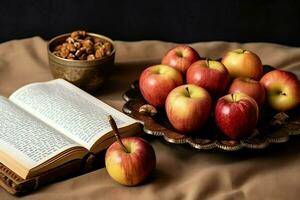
(82, 58)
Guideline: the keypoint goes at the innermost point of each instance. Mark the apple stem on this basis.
(240, 51)
(207, 61)
(188, 92)
(282, 93)
(232, 97)
(114, 127)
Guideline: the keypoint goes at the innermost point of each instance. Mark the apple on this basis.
(130, 160)
(243, 63)
(188, 107)
(209, 74)
(282, 89)
(181, 57)
(132, 167)
(157, 81)
(250, 87)
(236, 115)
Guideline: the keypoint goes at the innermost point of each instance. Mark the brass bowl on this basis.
(86, 74)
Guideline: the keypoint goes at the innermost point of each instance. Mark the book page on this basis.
(70, 110)
(27, 139)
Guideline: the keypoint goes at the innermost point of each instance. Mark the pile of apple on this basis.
(235, 91)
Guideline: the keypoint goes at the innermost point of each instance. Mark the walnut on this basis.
(75, 34)
(91, 57)
(57, 53)
(70, 40)
(87, 43)
(80, 51)
(71, 47)
(99, 53)
(64, 52)
(71, 56)
(83, 56)
(77, 45)
(148, 109)
(89, 50)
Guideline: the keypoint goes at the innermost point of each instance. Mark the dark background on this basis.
(180, 21)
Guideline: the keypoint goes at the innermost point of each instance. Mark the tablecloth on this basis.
(182, 172)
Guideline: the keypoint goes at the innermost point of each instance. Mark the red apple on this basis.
(188, 108)
(157, 81)
(243, 63)
(282, 89)
(181, 57)
(211, 75)
(250, 87)
(236, 115)
(132, 167)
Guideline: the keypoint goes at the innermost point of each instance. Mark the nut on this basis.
(148, 109)
(64, 52)
(87, 43)
(99, 53)
(79, 52)
(71, 56)
(57, 53)
(89, 50)
(71, 47)
(83, 56)
(91, 57)
(80, 46)
(77, 45)
(70, 40)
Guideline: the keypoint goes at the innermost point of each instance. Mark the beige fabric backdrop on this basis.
(182, 172)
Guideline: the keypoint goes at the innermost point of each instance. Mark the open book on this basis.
(45, 125)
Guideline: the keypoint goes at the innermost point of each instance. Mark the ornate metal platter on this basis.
(272, 127)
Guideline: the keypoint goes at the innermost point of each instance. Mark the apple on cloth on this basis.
(236, 115)
(157, 81)
(209, 74)
(243, 63)
(129, 161)
(188, 108)
(282, 89)
(181, 57)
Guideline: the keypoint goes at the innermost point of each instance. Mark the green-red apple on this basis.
(243, 63)
(157, 81)
(209, 74)
(132, 167)
(188, 108)
(181, 57)
(236, 115)
(250, 87)
(282, 89)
